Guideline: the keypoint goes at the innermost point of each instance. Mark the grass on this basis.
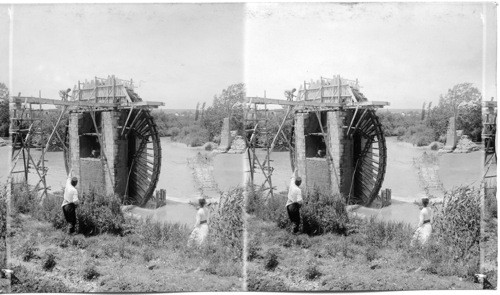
(371, 254)
(151, 256)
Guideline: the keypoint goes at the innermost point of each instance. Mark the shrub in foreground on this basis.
(23, 200)
(49, 262)
(90, 273)
(226, 221)
(262, 282)
(271, 259)
(324, 214)
(99, 214)
(457, 221)
(312, 272)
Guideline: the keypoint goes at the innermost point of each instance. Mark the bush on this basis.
(99, 214)
(23, 200)
(90, 273)
(192, 135)
(49, 262)
(399, 131)
(3, 227)
(435, 145)
(174, 131)
(490, 202)
(80, 242)
(457, 221)
(28, 250)
(261, 282)
(95, 215)
(271, 259)
(312, 272)
(270, 209)
(322, 214)
(419, 135)
(226, 223)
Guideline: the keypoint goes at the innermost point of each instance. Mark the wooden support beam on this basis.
(85, 103)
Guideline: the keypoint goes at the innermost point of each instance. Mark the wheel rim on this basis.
(146, 162)
(370, 158)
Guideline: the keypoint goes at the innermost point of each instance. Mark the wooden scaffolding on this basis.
(326, 94)
(489, 141)
(99, 94)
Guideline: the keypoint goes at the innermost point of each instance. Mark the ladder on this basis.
(25, 125)
(26, 122)
(256, 123)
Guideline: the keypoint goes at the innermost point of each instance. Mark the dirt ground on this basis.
(119, 261)
(339, 266)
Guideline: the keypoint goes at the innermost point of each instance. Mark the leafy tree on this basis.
(463, 102)
(226, 105)
(4, 110)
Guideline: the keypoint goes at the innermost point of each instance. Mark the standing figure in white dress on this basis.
(424, 230)
(200, 231)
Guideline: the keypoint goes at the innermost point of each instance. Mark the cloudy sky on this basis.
(184, 53)
(402, 53)
(177, 53)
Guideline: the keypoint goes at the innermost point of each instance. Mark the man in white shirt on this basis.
(294, 201)
(70, 201)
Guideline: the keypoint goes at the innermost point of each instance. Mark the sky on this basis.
(403, 53)
(181, 54)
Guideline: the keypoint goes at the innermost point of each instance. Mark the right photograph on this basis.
(370, 133)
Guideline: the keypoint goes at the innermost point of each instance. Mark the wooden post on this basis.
(114, 88)
(79, 91)
(305, 91)
(340, 89)
(321, 89)
(95, 88)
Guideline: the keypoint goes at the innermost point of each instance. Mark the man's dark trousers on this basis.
(294, 214)
(70, 216)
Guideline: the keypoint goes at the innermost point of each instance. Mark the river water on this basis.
(177, 178)
(401, 177)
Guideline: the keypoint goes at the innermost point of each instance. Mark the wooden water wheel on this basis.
(370, 155)
(144, 158)
(139, 132)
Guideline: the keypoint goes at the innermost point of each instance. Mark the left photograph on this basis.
(124, 174)
(4, 146)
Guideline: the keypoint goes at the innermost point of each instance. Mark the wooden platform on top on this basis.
(85, 103)
(317, 103)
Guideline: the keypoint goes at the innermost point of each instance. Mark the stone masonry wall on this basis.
(109, 137)
(74, 148)
(335, 135)
(341, 149)
(92, 175)
(300, 148)
(318, 175)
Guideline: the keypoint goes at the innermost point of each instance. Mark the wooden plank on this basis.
(83, 103)
(260, 100)
(314, 103)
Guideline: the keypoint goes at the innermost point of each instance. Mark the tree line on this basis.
(422, 127)
(204, 124)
